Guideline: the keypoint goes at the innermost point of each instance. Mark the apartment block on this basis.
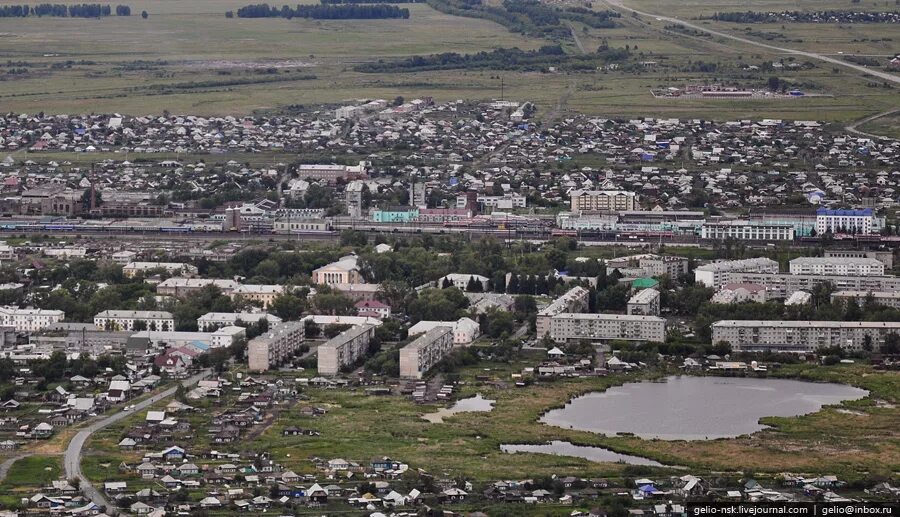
(125, 320)
(575, 300)
(344, 349)
(885, 298)
(850, 266)
(783, 285)
(655, 265)
(262, 293)
(426, 351)
(274, 347)
(602, 327)
(800, 336)
(29, 319)
(602, 200)
(182, 287)
(213, 320)
(133, 269)
(644, 303)
(716, 273)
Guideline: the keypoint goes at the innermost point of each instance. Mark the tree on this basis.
(144, 15)
(139, 325)
(891, 344)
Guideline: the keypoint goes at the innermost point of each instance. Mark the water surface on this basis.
(696, 408)
(598, 454)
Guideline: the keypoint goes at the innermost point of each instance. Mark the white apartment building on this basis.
(227, 335)
(606, 327)
(575, 300)
(716, 273)
(125, 320)
(272, 348)
(213, 320)
(29, 320)
(461, 280)
(644, 303)
(800, 336)
(885, 298)
(505, 202)
(465, 330)
(747, 231)
(606, 200)
(344, 349)
(782, 285)
(836, 266)
(133, 269)
(426, 351)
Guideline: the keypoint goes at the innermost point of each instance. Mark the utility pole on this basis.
(501, 87)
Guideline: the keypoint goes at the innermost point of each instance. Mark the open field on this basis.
(360, 427)
(188, 58)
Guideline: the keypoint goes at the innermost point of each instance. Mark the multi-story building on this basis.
(885, 298)
(344, 349)
(29, 320)
(569, 326)
(226, 336)
(299, 225)
(602, 200)
(398, 214)
(344, 271)
(575, 300)
(845, 221)
(783, 285)
(747, 231)
(461, 281)
(644, 303)
(716, 273)
(125, 320)
(358, 292)
(262, 293)
(426, 351)
(836, 266)
(800, 336)
(133, 269)
(213, 320)
(886, 257)
(182, 287)
(655, 265)
(275, 346)
(331, 173)
(505, 202)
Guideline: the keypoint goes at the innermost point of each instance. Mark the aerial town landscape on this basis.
(611, 258)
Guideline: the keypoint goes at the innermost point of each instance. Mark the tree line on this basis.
(324, 12)
(63, 11)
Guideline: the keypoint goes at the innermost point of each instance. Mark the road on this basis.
(576, 38)
(72, 461)
(8, 463)
(812, 55)
(852, 127)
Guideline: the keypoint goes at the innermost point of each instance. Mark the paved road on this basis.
(72, 459)
(812, 55)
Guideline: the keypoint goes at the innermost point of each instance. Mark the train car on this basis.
(58, 227)
(557, 232)
(175, 229)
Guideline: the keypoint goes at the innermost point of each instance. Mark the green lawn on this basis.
(34, 471)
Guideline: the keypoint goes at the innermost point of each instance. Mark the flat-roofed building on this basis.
(133, 269)
(344, 349)
(602, 200)
(845, 221)
(886, 257)
(783, 285)
(800, 336)
(426, 351)
(358, 292)
(182, 287)
(885, 298)
(644, 303)
(715, 274)
(747, 231)
(656, 265)
(125, 320)
(275, 346)
(213, 320)
(606, 327)
(849, 266)
(575, 300)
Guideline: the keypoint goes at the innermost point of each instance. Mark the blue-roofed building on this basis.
(845, 221)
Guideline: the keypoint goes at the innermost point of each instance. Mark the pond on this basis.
(696, 408)
(599, 454)
(476, 403)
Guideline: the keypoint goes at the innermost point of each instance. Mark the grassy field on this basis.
(361, 428)
(34, 471)
(188, 58)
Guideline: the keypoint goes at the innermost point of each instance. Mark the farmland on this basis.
(189, 58)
